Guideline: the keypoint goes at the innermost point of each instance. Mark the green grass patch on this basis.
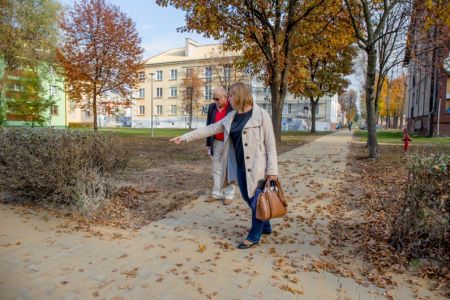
(173, 132)
(157, 132)
(304, 133)
(395, 137)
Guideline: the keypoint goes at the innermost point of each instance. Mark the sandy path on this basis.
(190, 254)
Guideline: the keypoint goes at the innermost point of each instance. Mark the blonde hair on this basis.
(242, 96)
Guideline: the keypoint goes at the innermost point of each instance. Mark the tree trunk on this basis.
(277, 108)
(370, 102)
(3, 80)
(94, 108)
(190, 113)
(313, 114)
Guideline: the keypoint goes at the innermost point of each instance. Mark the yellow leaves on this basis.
(201, 248)
(438, 13)
(392, 91)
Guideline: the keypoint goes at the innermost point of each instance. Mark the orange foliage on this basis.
(100, 52)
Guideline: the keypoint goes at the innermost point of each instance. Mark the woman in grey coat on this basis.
(249, 151)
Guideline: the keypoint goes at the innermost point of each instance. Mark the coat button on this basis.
(245, 144)
(244, 132)
(248, 157)
(249, 170)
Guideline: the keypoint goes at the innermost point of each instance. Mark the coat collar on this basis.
(255, 119)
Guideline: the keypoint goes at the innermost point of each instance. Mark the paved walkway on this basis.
(191, 254)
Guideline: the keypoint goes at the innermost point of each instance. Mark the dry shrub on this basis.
(59, 167)
(421, 227)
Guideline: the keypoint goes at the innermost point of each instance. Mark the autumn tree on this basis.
(438, 13)
(368, 19)
(262, 30)
(28, 34)
(391, 48)
(319, 69)
(362, 105)
(392, 101)
(191, 90)
(348, 100)
(100, 52)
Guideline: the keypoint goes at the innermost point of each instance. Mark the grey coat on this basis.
(259, 145)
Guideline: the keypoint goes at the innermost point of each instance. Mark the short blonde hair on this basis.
(242, 97)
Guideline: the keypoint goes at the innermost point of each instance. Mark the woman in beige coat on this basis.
(249, 151)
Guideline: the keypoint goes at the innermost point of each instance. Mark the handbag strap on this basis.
(279, 190)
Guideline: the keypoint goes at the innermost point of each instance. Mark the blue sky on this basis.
(156, 25)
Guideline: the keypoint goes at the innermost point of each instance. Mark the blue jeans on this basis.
(258, 226)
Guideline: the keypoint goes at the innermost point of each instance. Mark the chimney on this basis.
(190, 47)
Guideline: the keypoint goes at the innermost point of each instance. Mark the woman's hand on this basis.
(177, 140)
(271, 177)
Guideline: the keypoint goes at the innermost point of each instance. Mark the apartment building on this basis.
(53, 85)
(428, 83)
(112, 111)
(162, 85)
(296, 113)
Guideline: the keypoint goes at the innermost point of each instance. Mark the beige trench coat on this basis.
(259, 145)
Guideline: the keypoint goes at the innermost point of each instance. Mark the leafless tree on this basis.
(369, 20)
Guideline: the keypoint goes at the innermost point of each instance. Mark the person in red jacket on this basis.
(215, 147)
(406, 139)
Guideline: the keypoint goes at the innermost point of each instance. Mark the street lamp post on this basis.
(151, 101)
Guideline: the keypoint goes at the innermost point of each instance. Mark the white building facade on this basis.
(159, 97)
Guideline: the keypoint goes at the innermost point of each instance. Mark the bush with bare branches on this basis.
(421, 227)
(59, 167)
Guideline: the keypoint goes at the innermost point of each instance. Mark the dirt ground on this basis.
(368, 185)
(162, 176)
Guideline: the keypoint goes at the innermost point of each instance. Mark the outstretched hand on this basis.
(177, 140)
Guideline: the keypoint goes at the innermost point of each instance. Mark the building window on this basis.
(173, 74)
(289, 108)
(87, 113)
(208, 74)
(159, 75)
(159, 109)
(53, 90)
(173, 92)
(173, 110)
(16, 87)
(141, 93)
(72, 105)
(188, 72)
(227, 73)
(141, 76)
(208, 92)
(51, 70)
(141, 109)
(159, 92)
(54, 110)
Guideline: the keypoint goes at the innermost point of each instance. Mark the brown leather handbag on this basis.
(271, 202)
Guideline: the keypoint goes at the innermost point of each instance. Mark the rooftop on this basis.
(191, 51)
